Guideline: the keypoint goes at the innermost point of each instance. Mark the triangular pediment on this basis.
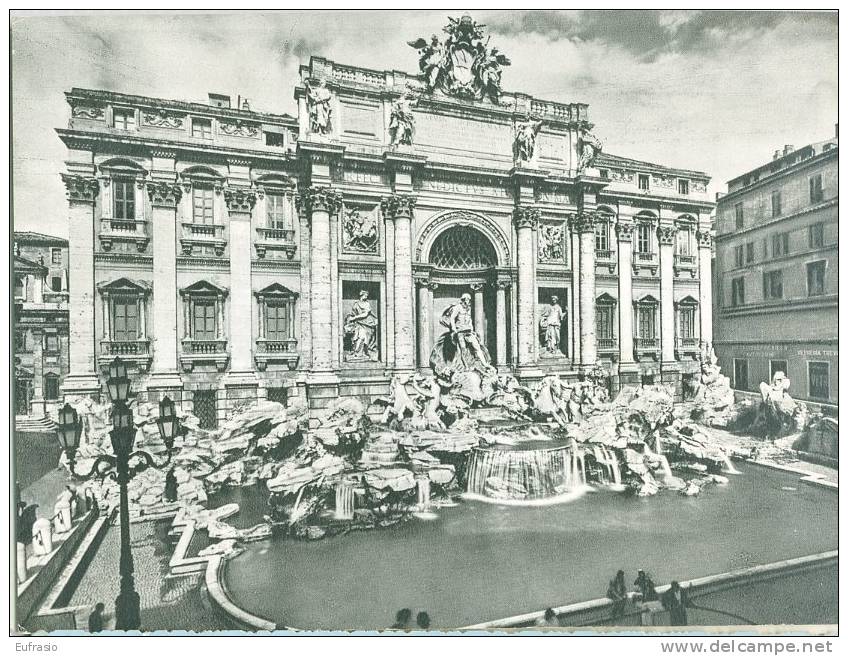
(606, 299)
(203, 287)
(276, 289)
(125, 286)
(24, 265)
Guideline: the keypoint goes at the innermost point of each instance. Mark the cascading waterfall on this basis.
(344, 500)
(523, 473)
(728, 466)
(666, 468)
(423, 489)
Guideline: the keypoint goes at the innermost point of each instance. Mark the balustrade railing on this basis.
(601, 254)
(124, 348)
(607, 344)
(647, 343)
(204, 346)
(276, 346)
(208, 230)
(684, 260)
(645, 257)
(276, 234)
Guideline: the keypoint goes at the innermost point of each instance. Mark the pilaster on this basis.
(240, 201)
(82, 378)
(705, 294)
(164, 195)
(624, 234)
(584, 226)
(666, 233)
(501, 310)
(526, 221)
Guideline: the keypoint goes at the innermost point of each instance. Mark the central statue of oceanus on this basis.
(460, 349)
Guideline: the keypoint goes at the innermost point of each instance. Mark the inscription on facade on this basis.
(362, 119)
(463, 134)
(468, 188)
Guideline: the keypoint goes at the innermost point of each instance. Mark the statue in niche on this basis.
(460, 349)
(402, 122)
(550, 243)
(360, 326)
(359, 233)
(524, 139)
(589, 147)
(320, 112)
(550, 324)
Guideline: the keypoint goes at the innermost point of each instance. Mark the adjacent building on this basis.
(778, 269)
(228, 253)
(40, 296)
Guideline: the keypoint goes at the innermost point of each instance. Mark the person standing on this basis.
(675, 600)
(95, 620)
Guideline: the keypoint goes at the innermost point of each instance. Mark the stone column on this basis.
(500, 322)
(705, 288)
(318, 203)
(82, 377)
(164, 198)
(584, 226)
(624, 232)
(479, 311)
(399, 207)
(37, 402)
(425, 315)
(666, 234)
(526, 220)
(240, 202)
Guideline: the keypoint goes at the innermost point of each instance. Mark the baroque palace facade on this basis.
(226, 252)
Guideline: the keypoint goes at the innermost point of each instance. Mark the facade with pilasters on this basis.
(223, 251)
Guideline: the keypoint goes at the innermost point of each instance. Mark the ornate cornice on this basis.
(164, 194)
(583, 222)
(318, 199)
(526, 217)
(666, 234)
(240, 199)
(398, 206)
(705, 239)
(80, 188)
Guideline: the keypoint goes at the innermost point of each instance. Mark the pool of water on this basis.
(482, 561)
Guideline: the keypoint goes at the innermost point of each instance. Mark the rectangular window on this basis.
(683, 187)
(51, 343)
(644, 182)
(780, 244)
(276, 214)
(20, 289)
(819, 375)
(201, 128)
(56, 283)
(605, 318)
(772, 285)
(777, 365)
(124, 119)
(740, 374)
(204, 320)
(738, 256)
(816, 190)
(740, 215)
(749, 252)
(602, 236)
(202, 198)
(277, 321)
(604, 174)
(125, 319)
(684, 242)
(644, 238)
(20, 342)
(56, 256)
(738, 292)
(51, 387)
(275, 139)
(687, 322)
(775, 203)
(815, 278)
(124, 200)
(816, 235)
(647, 324)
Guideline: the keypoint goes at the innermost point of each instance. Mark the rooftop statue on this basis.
(462, 65)
(402, 122)
(524, 139)
(590, 147)
(320, 113)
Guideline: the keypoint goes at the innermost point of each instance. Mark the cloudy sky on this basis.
(714, 91)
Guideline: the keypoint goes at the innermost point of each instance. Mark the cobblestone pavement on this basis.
(168, 602)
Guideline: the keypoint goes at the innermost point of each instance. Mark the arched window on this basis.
(463, 247)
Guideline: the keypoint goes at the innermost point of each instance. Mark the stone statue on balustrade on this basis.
(318, 104)
(359, 233)
(402, 121)
(550, 324)
(524, 139)
(589, 147)
(460, 349)
(550, 243)
(360, 328)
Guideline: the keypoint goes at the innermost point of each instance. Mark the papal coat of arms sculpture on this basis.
(462, 65)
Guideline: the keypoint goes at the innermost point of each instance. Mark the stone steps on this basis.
(27, 424)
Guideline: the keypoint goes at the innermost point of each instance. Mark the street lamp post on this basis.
(117, 467)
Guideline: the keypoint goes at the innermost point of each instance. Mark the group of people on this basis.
(404, 616)
(673, 600)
